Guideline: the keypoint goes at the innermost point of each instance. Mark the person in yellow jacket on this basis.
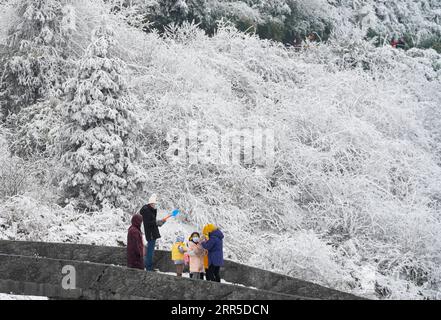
(178, 250)
(205, 232)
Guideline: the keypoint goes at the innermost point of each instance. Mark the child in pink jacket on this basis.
(196, 254)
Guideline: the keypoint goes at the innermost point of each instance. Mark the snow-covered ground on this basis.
(4, 296)
(187, 275)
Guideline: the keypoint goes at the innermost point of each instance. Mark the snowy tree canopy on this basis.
(35, 65)
(290, 20)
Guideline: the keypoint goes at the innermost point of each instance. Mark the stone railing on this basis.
(39, 264)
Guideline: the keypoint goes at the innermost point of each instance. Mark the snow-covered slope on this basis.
(352, 200)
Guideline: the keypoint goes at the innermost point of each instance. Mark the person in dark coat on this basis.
(135, 248)
(151, 230)
(214, 246)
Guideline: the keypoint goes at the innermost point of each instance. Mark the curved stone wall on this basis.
(43, 277)
(232, 272)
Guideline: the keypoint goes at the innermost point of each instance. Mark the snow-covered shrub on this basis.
(15, 173)
(15, 176)
(302, 255)
(27, 218)
(36, 128)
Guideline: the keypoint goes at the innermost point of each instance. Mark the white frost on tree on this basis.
(35, 66)
(100, 124)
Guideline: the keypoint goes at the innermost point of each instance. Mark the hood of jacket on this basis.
(137, 221)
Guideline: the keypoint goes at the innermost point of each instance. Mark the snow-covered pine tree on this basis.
(99, 124)
(35, 66)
